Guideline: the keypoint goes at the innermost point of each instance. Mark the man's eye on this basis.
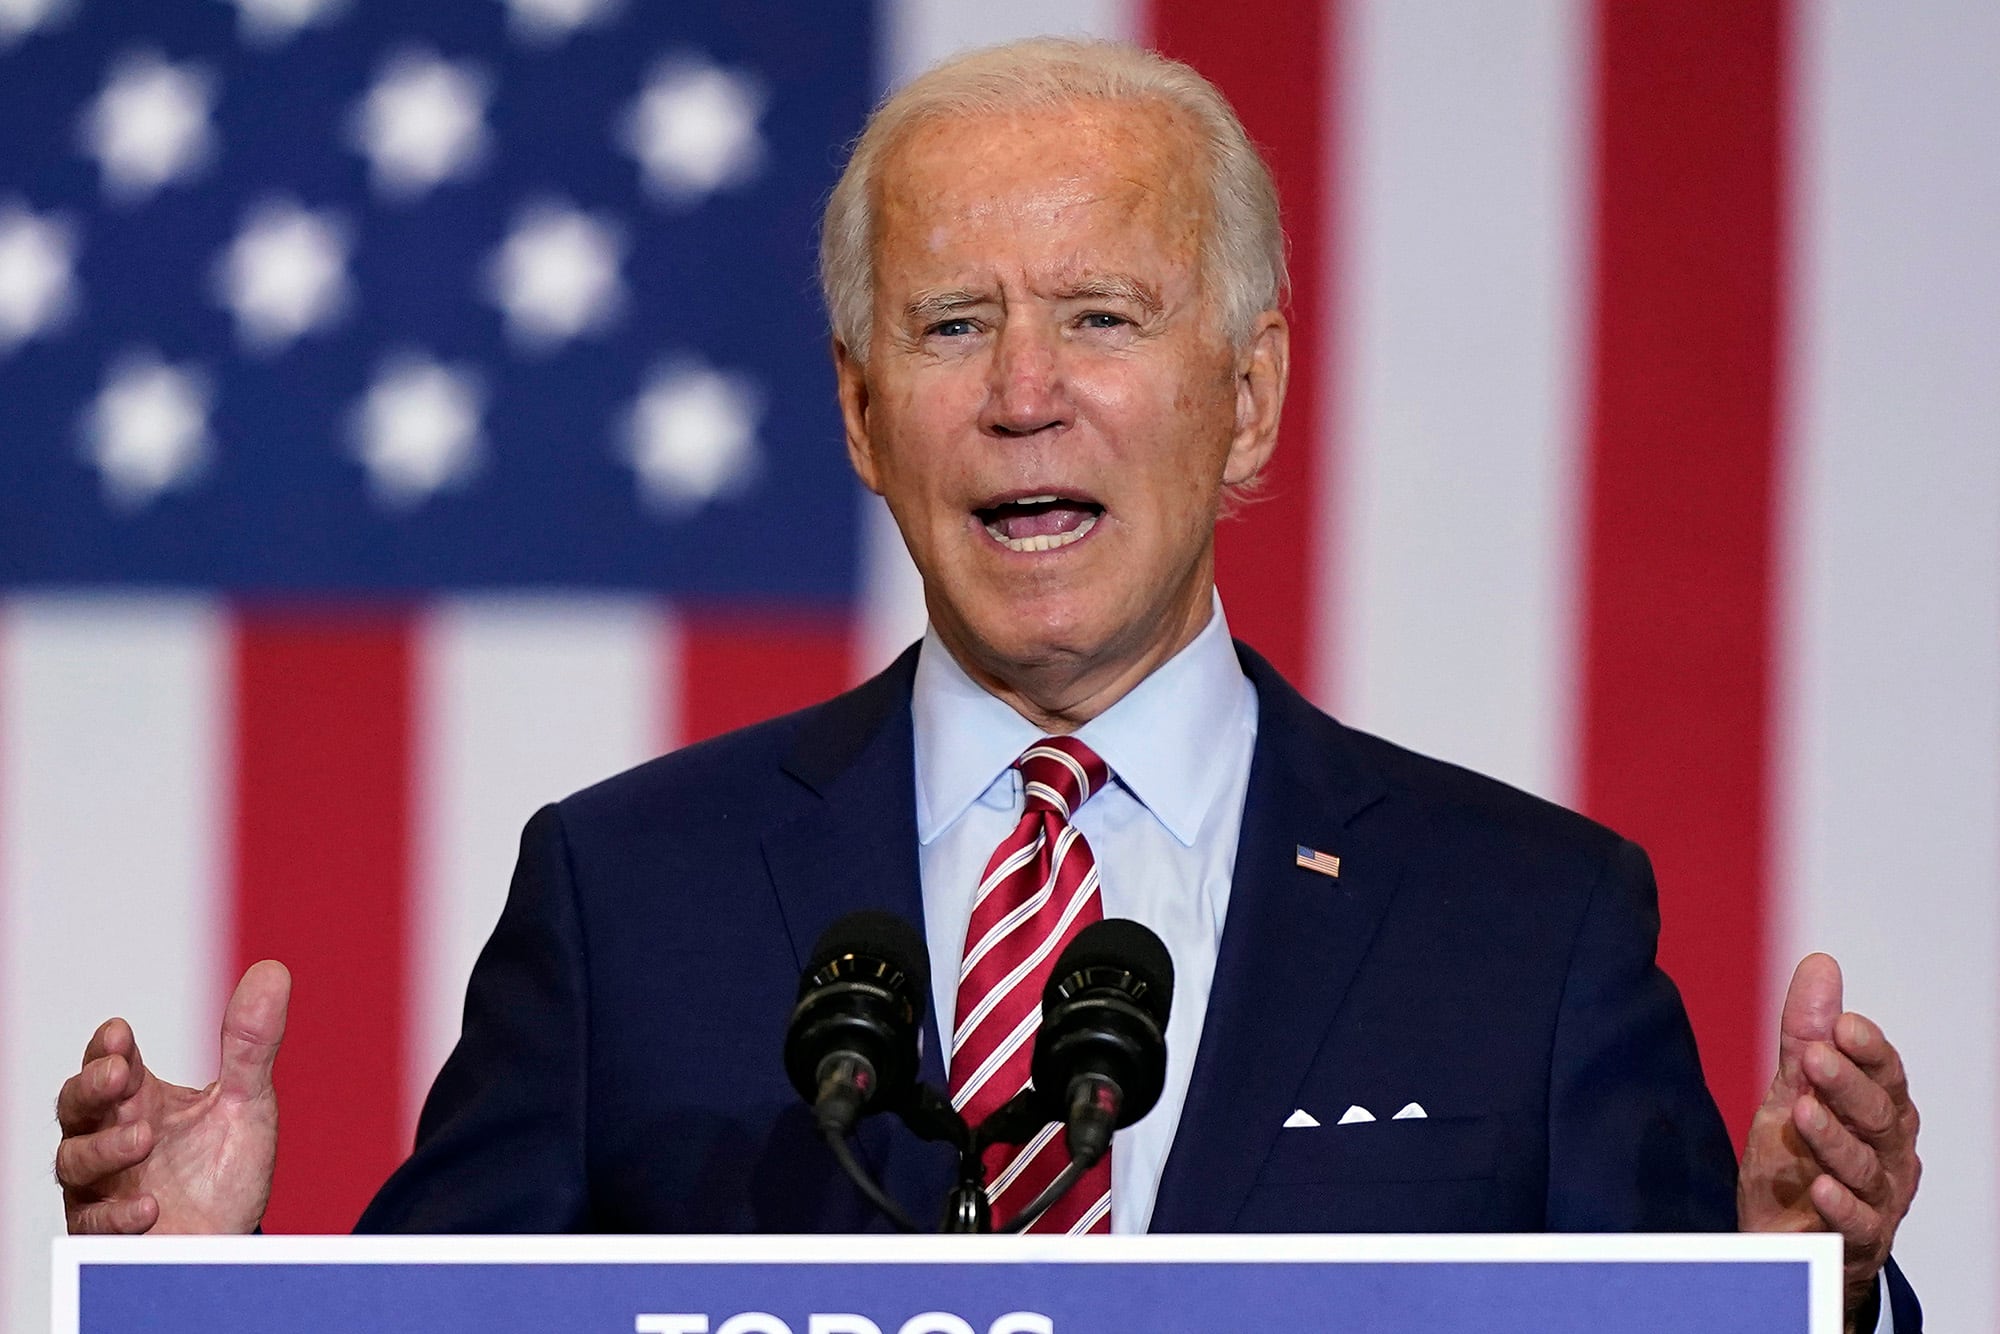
(950, 329)
(1103, 319)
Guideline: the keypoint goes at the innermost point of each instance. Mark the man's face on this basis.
(1050, 406)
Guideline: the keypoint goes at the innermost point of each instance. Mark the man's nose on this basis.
(1027, 393)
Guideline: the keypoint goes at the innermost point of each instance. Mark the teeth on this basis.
(1043, 541)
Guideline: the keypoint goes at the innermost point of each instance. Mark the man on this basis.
(1054, 273)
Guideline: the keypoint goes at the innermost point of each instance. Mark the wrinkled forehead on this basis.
(1137, 167)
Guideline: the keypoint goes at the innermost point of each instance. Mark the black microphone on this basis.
(1101, 1054)
(853, 1043)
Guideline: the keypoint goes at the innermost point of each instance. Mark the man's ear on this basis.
(852, 380)
(1263, 368)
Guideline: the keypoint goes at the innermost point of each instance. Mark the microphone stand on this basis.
(1051, 1193)
(930, 1116)
(843, 1153)
(1015, 1122)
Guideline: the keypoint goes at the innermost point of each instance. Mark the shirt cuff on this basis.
(1885, 1320)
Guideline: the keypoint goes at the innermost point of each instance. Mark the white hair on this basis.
(1243, 250)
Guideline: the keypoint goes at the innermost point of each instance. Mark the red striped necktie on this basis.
(1039, 890)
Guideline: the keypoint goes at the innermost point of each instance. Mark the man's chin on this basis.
(1026, 640)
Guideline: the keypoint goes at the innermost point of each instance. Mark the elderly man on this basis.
(1410, 998)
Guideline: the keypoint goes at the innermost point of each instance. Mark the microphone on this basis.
(853, 1043)
(1101, 1055)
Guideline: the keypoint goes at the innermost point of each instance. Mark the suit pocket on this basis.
(1460, 1148)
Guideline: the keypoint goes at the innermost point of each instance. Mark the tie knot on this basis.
(1059, 773)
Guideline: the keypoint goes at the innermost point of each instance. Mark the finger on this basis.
(1864, 1043)
(1841, 1152)
(114, 1037)
(101, 1043)
(93, 1093)
(1853, 1097)
(114, 1217)
(253, 1025)
(84, 1160)
(1854, 1219)
(1812, 1003)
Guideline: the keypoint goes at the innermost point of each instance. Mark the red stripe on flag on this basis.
(323, 773)
(736, 670)
(1678, 600)
(1275, 69)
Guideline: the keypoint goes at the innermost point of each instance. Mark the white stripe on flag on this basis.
(891, 615)
(918, 33)
(521, 701)
(1889, 836)
(1455, 445)
(113, 776)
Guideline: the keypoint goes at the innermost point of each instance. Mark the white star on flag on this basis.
(547, 22)
(423, 123)
(146, 432)
(37, 278)
(694, 129)
(18, 18)
(556, 276)
(284, 275)
(417, 429)
(691, 436)
(149, 126)
(275, 22)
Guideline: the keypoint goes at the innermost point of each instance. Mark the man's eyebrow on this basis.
(1111, 287)
(937, 305)
(934, 306)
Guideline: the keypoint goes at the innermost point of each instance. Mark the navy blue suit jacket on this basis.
(1483, 953)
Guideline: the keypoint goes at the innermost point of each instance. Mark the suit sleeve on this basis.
(500, 1144)
(1635, 1141)
(1902, 1313)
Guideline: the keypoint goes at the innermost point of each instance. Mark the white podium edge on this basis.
(1821, 1253)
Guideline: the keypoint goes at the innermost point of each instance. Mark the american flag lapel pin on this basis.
(1325, 863)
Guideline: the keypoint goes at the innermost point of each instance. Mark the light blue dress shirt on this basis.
(1164, 835)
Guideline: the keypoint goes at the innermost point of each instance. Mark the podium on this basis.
(1719, 1284)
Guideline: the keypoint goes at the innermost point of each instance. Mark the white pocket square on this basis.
(1301, 1120)
(1355, 1114)
(1412, 1111)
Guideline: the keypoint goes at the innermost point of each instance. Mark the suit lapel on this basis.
(1291, 944)
(856, 847)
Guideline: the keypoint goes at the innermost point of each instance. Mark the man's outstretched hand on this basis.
(1834, 1147)
(141, 1155)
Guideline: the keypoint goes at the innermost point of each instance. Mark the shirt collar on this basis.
(1159, 739)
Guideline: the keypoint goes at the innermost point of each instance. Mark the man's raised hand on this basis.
(141, 1155)
(1834, 1146)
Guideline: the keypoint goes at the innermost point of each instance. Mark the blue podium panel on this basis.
(946, 1285)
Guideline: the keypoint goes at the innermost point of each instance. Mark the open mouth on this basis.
(1040, 523)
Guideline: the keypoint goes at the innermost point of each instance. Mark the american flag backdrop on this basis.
(409, 413)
